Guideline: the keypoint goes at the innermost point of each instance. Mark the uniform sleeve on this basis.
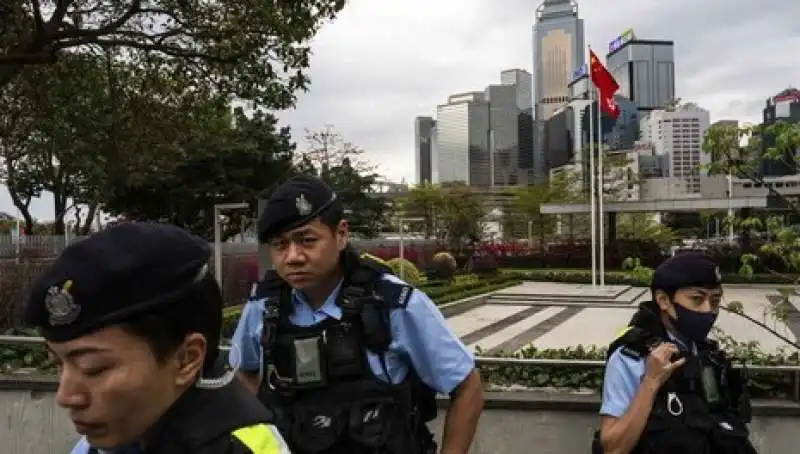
(623, 376)
(247, 337)
(437, 355)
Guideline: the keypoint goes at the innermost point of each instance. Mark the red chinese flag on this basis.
(606, 85)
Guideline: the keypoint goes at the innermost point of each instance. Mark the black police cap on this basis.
(113, 275)
(690, 269)
(296, 202)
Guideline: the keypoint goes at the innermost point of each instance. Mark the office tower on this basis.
(678, 133)
(462, 140)
(423, 141)
(558, 49)
(523, 82)
(503, 134)
(644, 70)
(785, 106)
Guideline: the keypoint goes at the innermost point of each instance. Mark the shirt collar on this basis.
(329, 307)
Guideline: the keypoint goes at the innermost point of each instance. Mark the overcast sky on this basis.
(383, 62)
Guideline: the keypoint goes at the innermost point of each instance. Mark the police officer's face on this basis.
(113, 386)
(307, 255)
(696, 299)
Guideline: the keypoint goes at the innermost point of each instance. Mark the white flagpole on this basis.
(600, 178)
(592, 185)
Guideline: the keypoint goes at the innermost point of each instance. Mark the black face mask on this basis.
(694, 325)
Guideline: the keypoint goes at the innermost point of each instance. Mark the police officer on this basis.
(132, 317)
(668, 388)
(352, 354)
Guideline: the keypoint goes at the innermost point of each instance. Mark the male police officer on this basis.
(132, 318)
(668, 389)
(348, 351)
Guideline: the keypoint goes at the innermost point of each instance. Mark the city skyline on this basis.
(376, 68)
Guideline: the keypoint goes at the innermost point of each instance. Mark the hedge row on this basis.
(761, 384)
(624, 278)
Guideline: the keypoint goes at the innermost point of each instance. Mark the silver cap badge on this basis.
(60, 305)
(303, 205)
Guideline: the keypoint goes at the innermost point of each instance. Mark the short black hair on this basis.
(198, 311)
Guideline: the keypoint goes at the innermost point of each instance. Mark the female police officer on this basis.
(668, 389)
(132, 317)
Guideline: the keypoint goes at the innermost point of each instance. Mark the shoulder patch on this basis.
(395, 293)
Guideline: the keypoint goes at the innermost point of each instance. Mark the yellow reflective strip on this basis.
(622, 332)
(262, 439)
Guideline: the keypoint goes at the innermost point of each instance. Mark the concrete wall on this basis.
(514, 422)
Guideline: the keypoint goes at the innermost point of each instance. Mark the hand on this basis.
(659, 366)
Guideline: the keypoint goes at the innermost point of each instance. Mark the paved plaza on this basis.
(552, 315)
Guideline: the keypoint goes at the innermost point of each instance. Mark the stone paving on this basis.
(549, 315)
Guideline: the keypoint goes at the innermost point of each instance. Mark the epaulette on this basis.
(395, 294)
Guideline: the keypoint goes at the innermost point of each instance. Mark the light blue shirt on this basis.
(420, 338)
(623, 376)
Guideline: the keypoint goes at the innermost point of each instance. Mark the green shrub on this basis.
(443, 266)
(630, 277)
(410, 273)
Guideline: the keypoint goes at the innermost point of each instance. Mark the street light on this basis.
(218, 235)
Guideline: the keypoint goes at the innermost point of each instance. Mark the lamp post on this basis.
(218, 208)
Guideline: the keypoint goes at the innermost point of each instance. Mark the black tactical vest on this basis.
(319, 378)
(703, 408)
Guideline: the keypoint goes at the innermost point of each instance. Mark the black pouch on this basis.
(317, 429)
(730, 436)
(372, 422)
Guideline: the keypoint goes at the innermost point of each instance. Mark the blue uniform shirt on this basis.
(420, 338)
(623, 376)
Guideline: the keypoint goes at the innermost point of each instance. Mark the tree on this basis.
(340, 164)
(251, 49)
(642, 226)
(53, 125)
(426, 202)
(462, 214)
(233, 158)
(775, 144)
(526, 208)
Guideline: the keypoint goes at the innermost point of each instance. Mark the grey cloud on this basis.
(375, 69)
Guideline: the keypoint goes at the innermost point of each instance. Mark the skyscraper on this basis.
(558, 49)
(424, 127)
(463, 140)
(644, 70)
(523, 82)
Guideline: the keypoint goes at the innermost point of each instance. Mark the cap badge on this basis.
(60, 305)
(303, 205)
(718, 274)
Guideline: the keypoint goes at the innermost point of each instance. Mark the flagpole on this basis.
(600, 191)
(592, 187)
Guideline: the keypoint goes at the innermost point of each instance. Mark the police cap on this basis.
(114, 275)
(690, 269)
(296, 202)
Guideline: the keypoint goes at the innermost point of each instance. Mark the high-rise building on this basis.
(644, 70)
(678, 133)
(424, 127)
(478, 136)
(523, 81)
(558, 49)
(462, 140)
(785, 106)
